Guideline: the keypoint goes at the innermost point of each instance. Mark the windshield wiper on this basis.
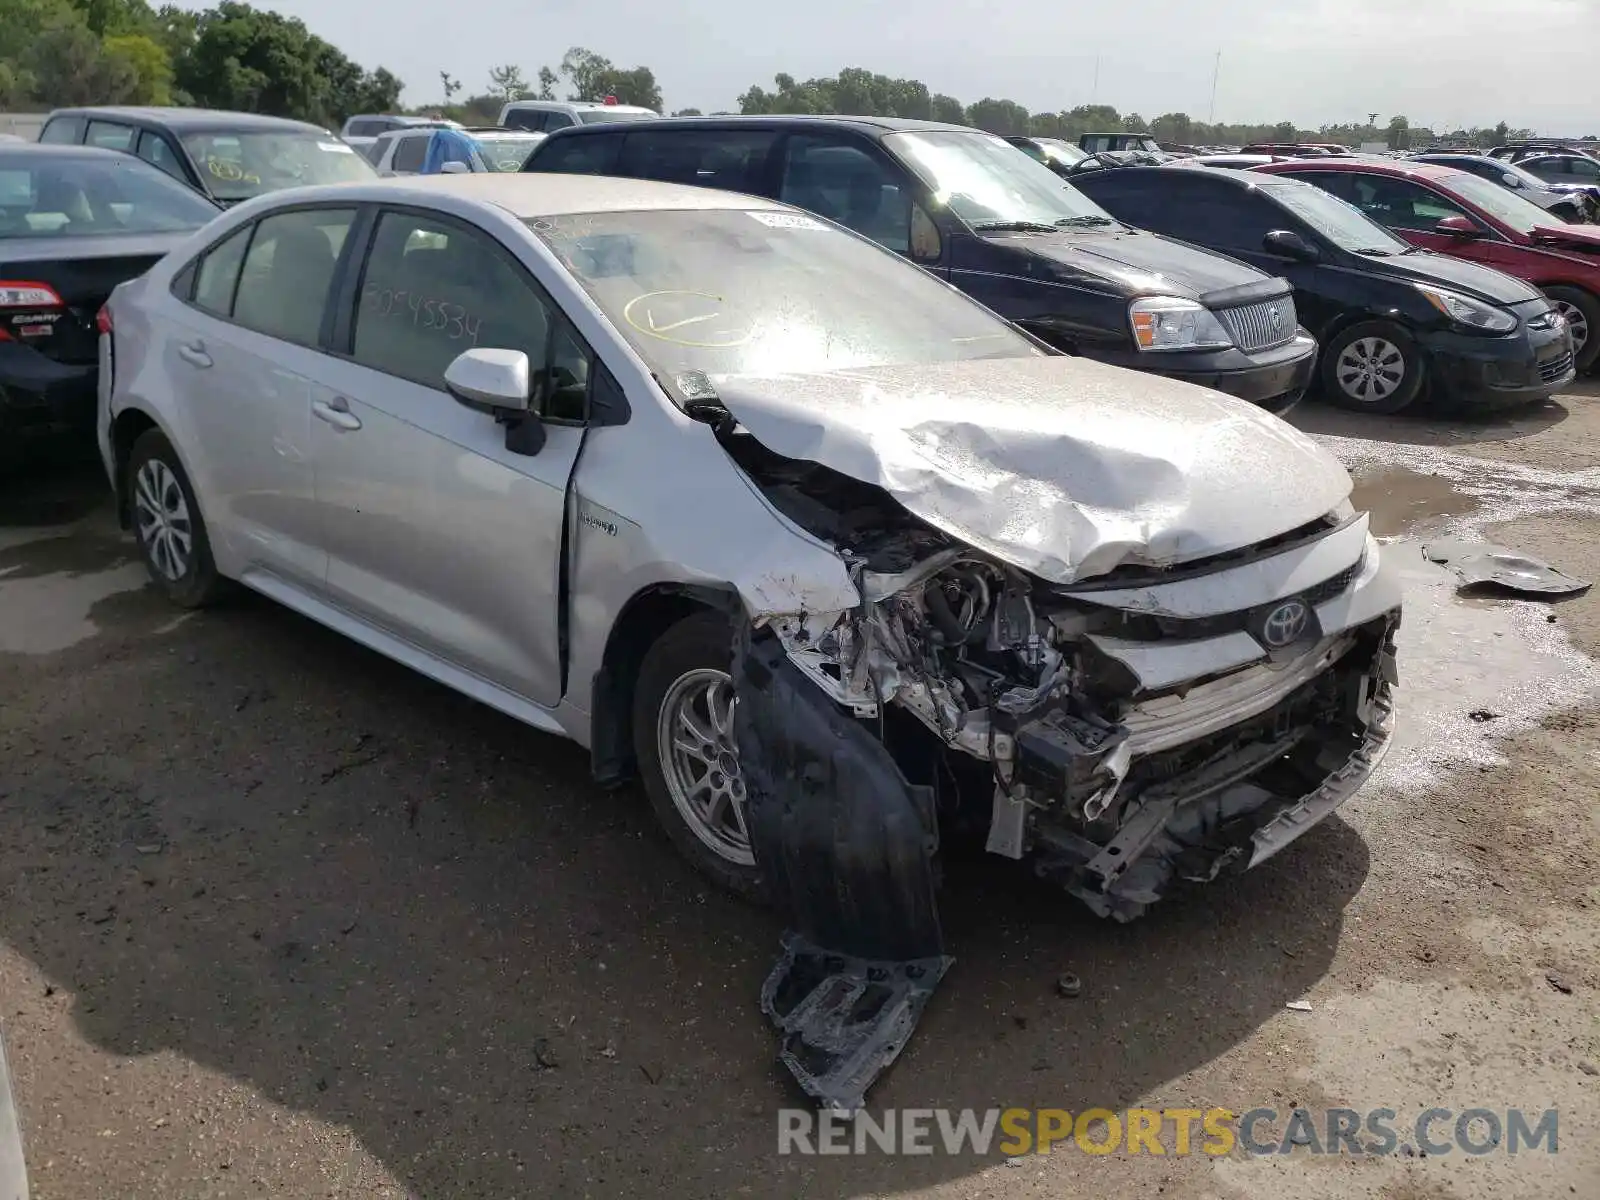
(1013, 227)
(1085, 221)
(1375, 251)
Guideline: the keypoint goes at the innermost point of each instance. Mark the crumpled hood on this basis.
(1063, 467)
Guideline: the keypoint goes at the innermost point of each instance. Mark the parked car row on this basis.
(1075, 263)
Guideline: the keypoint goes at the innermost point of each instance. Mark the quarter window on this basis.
(110, 136)
(283, 288)
(219, 273)
(844, 183)
(525, 118)
(433, 289)
(733, 159)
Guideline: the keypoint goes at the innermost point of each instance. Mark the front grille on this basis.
(1148, 628)
(1261, 326)
(1553, 370)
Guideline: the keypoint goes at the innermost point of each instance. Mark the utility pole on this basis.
(1211, 117)
(1094, 92)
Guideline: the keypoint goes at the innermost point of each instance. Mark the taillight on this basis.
(102, 319)
(22, 293)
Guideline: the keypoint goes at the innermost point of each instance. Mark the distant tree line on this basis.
(63, 52)
(589, 76)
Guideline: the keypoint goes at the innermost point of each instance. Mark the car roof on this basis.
(876, 125)
(21, 149)
(190, 120)
(536, 194)
(584, 104)
(1372, 166)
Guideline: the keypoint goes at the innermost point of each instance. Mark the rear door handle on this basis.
(194, 353)
(336, 412)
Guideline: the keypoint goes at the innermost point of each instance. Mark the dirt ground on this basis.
(279, 918)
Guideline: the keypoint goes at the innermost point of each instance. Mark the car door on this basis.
(436, 532)
(241, 355)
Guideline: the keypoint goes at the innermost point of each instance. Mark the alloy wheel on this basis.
(1370, 369)
(162, 514)
(700, 763)
(1577, 324)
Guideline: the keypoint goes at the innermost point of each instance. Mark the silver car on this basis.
(837, 561)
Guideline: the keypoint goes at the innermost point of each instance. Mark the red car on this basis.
(1469, 217)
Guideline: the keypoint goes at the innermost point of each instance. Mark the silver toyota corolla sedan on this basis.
(836, 560)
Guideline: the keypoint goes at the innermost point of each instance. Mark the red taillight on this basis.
(102, 319)
(25, 293)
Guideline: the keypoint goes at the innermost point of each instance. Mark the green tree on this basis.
(998, 116)
(69, 66)
(450, 84)
(1399, 133)
(591, 76)
(547, 83)
(507, 81)
(1173, 127)
(947, 109)
(151, 66)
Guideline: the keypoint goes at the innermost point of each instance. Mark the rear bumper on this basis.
(41, 398)
(1500, 372)
(1273, 379)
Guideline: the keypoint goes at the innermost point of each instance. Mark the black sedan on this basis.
(1392, 320)
(74, 223)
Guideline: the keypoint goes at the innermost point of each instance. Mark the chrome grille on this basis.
(1263, 325)
(1555, 368)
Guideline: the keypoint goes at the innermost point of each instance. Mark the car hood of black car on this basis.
(1144, 264)
(1485, 283)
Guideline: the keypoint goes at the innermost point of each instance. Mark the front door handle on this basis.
(336, 412)
(194, 353)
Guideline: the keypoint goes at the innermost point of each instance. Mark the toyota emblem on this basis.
(1285, 624)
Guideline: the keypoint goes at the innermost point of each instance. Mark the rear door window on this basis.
(110, 135)
(839, 179)
(63, 131)
(283, 288)
(1401, 204)
(734, 159)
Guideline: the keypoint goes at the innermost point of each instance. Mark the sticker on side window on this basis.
(783, 220)
(335, 148)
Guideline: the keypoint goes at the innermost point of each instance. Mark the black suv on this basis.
(1392, 319)
(986, 217)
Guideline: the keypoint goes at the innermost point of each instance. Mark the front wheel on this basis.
(1582, 312)
(1374, 367)
(688, 762)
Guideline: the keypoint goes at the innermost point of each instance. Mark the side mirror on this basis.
(926, 244)
(454, 168)
(1459, 227)
(1511, 181)
(1286, 243)
(496, 382)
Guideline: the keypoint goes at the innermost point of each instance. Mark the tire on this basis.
(697, 799)
(1582, 311)
(168, 526)
(1377, 357)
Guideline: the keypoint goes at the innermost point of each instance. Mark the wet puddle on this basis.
(1402, 500)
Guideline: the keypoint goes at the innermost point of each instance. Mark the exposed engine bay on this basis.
(1149, 725)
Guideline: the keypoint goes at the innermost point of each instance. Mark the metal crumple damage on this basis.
(846, 846)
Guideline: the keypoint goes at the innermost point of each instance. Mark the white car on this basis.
(547, 116)
(833, 557)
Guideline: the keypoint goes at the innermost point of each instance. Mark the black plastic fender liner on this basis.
(846, 845)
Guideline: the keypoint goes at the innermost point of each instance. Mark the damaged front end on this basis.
(1148, 725)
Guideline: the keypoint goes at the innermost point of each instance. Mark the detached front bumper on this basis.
(1273, 379)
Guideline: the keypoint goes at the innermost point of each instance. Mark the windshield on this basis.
(74, 197)
(1522, 215)
(1062, 152)
(732, 292)
(985, 182)
(502, 153)
(1346, 226)
(600, 116)
(237, 166)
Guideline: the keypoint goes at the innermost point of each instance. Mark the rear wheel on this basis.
(168, 526)
(1582, 312)
(1374, 367)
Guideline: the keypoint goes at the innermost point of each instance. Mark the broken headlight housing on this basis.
(1172, 323)
(1467, 312)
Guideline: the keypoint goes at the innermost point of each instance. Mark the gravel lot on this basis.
(279, 918)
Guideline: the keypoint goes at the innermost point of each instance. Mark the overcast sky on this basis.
(1445, 63)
